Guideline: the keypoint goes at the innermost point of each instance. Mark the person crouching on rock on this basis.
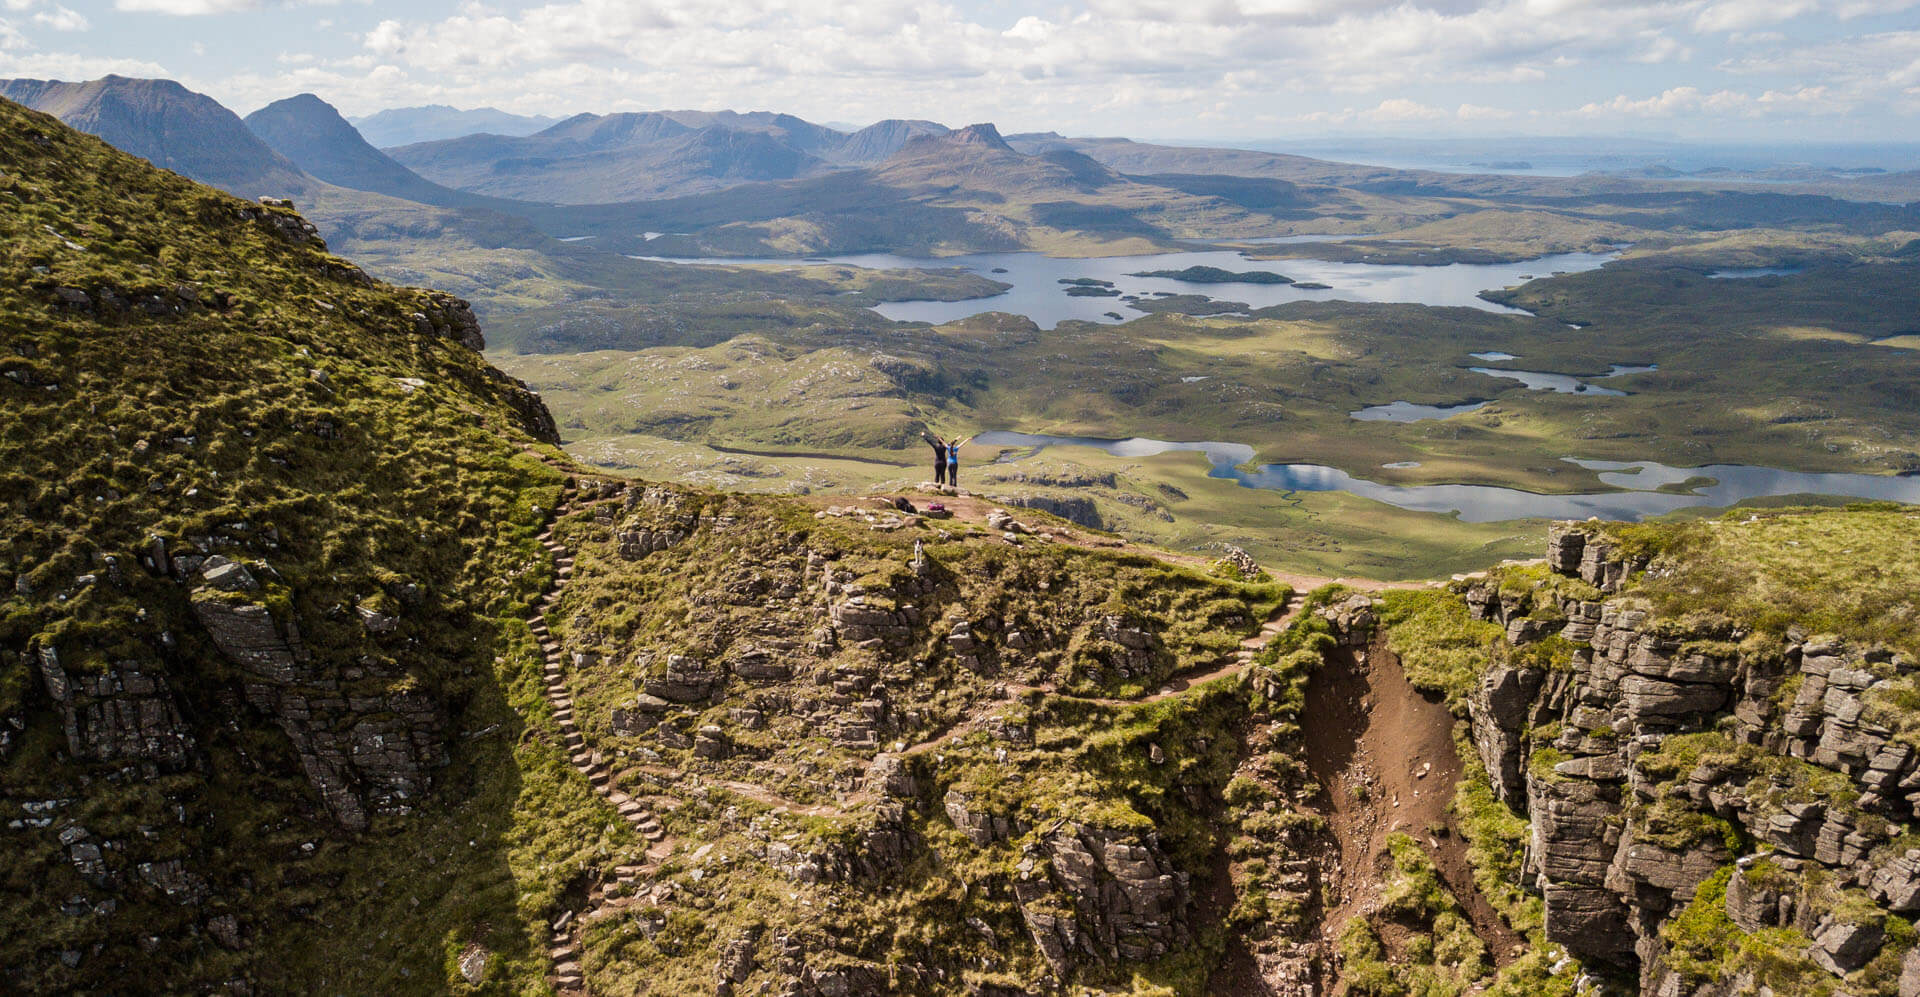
(939, 457)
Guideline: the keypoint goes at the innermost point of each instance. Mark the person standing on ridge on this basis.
(940, 457)
(953, 461)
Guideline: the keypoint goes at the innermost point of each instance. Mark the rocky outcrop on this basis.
(126, 712)
(1353, 619)
(860, 620)
(451, 318)
(1574, 549)
(1103, 894)
(1077, 509)
(1632, 810)
(685, 680)
(1127, 648)
(364, 753)
(248, 635)
(878, 848)
(277, 215)
(978, 821)
(1503, 706)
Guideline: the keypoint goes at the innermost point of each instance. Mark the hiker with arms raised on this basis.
(940, 457)
(953, 461)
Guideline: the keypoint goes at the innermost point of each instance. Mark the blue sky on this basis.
(1763, 70)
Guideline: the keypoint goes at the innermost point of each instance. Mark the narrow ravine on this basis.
(1385, 757)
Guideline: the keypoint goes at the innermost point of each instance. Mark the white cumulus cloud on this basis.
(61, 19)
(1692, 100)
(185, 8)
(1150, 68)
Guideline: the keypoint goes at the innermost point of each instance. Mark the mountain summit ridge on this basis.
(313, 135)
(172, 127)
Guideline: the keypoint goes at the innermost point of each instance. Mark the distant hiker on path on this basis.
(939, 457)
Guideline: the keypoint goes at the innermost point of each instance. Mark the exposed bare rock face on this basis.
(1127, 901)
(125, 713)
(362, 753)
(1665, 761)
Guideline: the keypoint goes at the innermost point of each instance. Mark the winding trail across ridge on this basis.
(568, 978)
(1175, 685)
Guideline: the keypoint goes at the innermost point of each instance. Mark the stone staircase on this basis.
(1252, 646)
(568, 977)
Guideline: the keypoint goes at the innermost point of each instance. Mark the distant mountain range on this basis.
(595, 158)
(170, 126)
(725, 183)
(408, 125)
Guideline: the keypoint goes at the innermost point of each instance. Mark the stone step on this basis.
(574, 739)
(600, 777)
(654, 835)
(563, 561)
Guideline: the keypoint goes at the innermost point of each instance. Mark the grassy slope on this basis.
(204, 421)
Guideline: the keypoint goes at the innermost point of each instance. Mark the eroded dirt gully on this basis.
(1385, 757)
